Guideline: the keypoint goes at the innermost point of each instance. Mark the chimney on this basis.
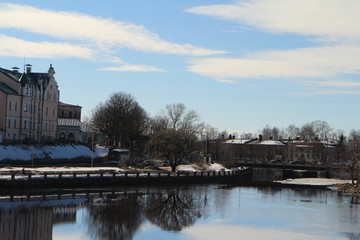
(28, 68)
(15, 69)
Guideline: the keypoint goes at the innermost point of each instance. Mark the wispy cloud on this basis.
(96, 30)
(338, 84)
(84, 36)
(214, 231)
(14, 47)
(337, 92)
(330, 22)
(321, 62)
(133, 68)
(227, 81)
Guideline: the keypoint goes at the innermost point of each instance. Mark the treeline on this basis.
(175, 132)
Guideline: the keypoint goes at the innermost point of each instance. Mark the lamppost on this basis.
(92, 150)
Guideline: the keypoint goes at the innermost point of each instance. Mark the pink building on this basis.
(28, 105)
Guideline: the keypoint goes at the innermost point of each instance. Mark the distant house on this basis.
(28, 105)
(70, 127)
(310, 152)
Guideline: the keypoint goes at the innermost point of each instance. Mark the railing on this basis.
(29, 175)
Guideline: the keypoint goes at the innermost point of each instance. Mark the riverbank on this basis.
(348, 188)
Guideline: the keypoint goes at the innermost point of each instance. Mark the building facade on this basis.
(70, 128)
(28, 105)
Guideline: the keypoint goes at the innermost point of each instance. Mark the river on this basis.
(196, 212)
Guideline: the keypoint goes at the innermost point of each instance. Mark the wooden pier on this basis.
(29, 179)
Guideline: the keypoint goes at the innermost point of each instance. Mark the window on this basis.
(9, 123)
(47, 111)
(15, 123)
(10, 106)
(25, 107)
(15, 106)
(25, 124)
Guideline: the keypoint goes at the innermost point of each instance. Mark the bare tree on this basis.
(247, 136)
(316, 131)
(121, 119)
(352, 149)
(271, 133)
(175, 116)
(172, 145)
(175, 113)
(292, 131)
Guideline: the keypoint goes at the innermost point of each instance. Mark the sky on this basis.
(241, 65)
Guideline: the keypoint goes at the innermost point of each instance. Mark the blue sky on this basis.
(240, 64)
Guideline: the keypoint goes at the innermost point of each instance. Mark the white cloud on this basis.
(333, 23)
(335, 92)
(331, 20)
(340, 84)
(227, 81)
(104, 33)
(133, 68)
(232, 232)
(14, 47)
(320, 62)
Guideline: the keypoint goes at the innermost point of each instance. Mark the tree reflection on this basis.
(116, 220)
(172, 211)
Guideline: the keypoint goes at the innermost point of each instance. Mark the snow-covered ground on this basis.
(315, 181)
(195, 168)
(61, 169)
(26, 153)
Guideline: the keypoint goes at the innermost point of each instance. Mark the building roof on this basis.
(13, 74)
(61, 104)
(70, 122)
(6, 89)
(267, 142)
(28, 77)
(236, 141)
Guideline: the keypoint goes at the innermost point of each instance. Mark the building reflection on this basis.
(22, 223)
(121, 215)
(33, 220)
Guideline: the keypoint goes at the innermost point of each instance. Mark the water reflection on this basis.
(172, 211)
(195, 212)
(23, 223)
(118, 218)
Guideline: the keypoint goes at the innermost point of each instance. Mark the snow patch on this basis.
(26, 153)
(315, 181)
(194, 168)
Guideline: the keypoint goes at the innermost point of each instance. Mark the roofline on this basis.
(68, 105)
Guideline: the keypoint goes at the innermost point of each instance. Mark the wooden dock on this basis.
(76, 179)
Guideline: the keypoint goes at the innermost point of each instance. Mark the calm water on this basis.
(210, 212)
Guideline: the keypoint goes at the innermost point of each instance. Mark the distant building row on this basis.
(30, 109)
(261, 151)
